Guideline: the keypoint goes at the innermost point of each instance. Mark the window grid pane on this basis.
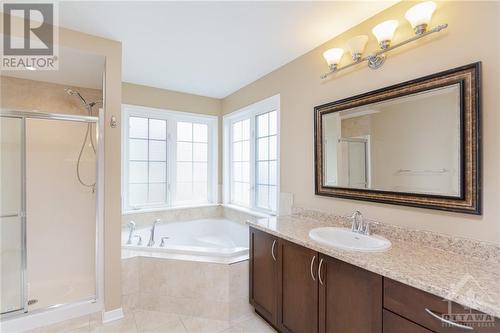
(147, 161)
(240, 162)
(266, 172)
(192, 163)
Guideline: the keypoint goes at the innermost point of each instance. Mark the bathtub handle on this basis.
(312, 265)
(272, 250)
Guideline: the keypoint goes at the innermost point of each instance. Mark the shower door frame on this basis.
(99, 189)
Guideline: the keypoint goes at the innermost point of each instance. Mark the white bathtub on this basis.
(211, 240)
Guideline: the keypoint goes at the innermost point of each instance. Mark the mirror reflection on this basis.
(408, 144)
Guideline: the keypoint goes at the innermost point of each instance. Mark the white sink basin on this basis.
(345, 239)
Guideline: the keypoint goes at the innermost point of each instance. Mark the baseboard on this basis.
(108, 316)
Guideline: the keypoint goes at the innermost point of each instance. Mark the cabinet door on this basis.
(298, 289)
(263, 274)
(350, 298)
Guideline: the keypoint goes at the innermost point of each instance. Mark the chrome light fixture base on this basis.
(376, 61)
(356, 57)
(333, 67)
(385, 44)
(420, 29)
(377, 58)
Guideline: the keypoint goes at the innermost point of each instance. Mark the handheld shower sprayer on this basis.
(88, 134)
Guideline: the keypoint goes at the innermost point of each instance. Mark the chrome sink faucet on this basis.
(359, 225)
(131, 226)
(152, 237)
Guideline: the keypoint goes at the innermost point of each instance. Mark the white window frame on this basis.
(172, 117)
(252, 111)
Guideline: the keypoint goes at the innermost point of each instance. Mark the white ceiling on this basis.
(212, 48)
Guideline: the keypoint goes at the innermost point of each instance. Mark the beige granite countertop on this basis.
(469, 281)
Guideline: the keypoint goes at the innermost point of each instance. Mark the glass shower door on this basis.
(12, 256)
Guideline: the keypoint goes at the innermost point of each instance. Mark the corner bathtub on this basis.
(216, 240)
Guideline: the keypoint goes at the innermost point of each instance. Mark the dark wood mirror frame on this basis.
(469, 79)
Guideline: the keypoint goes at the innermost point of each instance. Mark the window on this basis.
(251, 157)
(169, 158)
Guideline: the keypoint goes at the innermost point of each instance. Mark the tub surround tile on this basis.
(465, 279)
(130, 276)
(173, 215)
(206, 290)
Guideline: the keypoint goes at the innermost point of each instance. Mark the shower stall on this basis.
(50, 211)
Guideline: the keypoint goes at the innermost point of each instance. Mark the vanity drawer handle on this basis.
(312, 265)
(447, 321)
(319, 272)
(272, 250)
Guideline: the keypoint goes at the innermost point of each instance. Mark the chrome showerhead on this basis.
(72, 92)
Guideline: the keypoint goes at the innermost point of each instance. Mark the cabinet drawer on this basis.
(416, 305)
(396, 324)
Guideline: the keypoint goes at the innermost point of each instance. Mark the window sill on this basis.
(170, 208)
(247, 210)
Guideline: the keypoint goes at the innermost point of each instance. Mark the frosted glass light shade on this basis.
(384, 32)
(333, 56)
(357, 45)
(420, 14)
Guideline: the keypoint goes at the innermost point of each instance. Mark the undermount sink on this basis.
(346, 239)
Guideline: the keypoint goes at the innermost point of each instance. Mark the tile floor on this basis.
(142, 321)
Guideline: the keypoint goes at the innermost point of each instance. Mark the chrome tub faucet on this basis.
(152, 236)
(131, 226)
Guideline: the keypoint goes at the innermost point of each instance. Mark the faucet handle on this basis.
(140, 239)
(162, 244)
(131, 224)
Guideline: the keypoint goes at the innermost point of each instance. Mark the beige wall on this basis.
(471, 36)
(112, 51)
(136, 94)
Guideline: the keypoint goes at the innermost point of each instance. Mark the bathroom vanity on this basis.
(301, 287)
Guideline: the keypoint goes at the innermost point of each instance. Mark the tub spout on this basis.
(131, 226)
(152, 237)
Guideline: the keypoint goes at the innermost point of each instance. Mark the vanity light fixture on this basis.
(356, 46)
(332, 57)
(419, 17)
(385, 32)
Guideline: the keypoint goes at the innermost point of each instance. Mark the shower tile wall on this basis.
(25, 94)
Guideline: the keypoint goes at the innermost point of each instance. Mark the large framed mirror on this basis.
(415, 144)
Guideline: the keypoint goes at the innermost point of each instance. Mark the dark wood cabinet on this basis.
(396, 324)
(429, 310)
(264, 274)
(298, 289)
(350, 298)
